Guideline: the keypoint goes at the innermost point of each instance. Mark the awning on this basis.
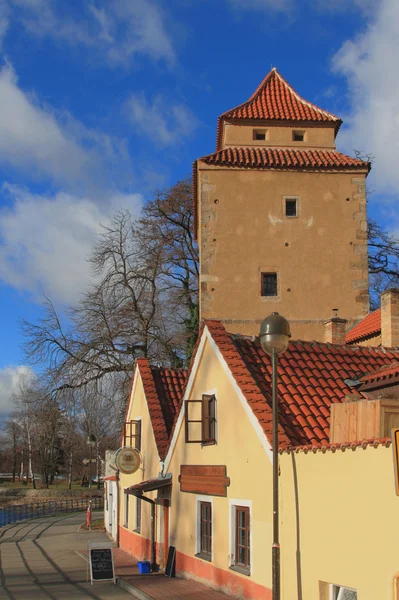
(150, 485)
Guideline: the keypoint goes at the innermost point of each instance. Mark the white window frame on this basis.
(135, 524)
(199, 499)
(333, 589)
(126, 510)
(298, 206)
(233, 503)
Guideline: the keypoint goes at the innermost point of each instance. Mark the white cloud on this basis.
(36, 140)
(164, 122)
(368, 64)
(11, 378)
(45, 241)
(119, 30)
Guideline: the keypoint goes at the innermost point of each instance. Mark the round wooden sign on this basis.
(127, 460)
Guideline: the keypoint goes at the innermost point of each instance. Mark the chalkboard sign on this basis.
(170, 564)
(101, 562)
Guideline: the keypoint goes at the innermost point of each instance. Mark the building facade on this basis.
(280, 217)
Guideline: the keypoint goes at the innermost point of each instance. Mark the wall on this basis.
(129, 540)
(348, 523)
(249, 469)
(238, 133)
(320, 256)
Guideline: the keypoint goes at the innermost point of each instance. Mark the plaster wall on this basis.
(348, 523)
(320, 256)
(249, 469)
(130, 540)
(238, 133)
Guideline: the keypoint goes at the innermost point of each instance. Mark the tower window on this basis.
(291, 207)
(260, 134)
(298, 136)
(269, 284)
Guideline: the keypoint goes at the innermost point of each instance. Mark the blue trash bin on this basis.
(144, 566)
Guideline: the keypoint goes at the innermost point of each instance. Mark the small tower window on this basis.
(269, 284)
(290, 207)
(298, 136)
(260, 134)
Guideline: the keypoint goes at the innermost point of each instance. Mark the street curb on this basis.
(131, 589)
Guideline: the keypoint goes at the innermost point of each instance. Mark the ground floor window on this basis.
(126, 511)
(242, 553)
(137, 517)
(206, 529)
(343, 593)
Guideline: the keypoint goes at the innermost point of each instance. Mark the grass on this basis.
(96, 524)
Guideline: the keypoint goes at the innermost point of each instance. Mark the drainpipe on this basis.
(154, 566)
(117, 507)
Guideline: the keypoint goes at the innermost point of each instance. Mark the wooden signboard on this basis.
(210, 480)
(101, 562)
(170, 563)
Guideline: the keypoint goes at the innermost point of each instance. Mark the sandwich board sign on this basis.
(101, 562)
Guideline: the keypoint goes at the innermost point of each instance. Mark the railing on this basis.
(22, 512)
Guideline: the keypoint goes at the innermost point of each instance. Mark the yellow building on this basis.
(280, 217)
(338, 503)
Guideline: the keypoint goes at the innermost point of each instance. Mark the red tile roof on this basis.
(375, 442)
(311, 378)
(284, 158)
(381, 376)
(276, 100)
(163, 388)
(368, 327)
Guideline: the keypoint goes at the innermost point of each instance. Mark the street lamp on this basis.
(274, 335)
(91, 441)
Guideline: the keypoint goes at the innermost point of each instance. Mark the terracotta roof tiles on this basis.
(368, 327)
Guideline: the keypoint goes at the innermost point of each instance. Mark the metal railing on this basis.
(22, 512)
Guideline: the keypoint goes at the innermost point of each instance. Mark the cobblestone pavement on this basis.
(38, 561)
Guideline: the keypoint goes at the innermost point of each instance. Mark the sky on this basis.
(103, 102)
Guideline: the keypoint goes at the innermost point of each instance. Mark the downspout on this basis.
(117, 507)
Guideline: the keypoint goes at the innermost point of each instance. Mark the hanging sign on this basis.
(127, 460)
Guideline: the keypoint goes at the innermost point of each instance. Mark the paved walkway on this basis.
(38, 561)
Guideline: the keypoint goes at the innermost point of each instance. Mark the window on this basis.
(205, 530)
(200, 420)
(290, 207)
(132, 434)
(126, 511)
(260, 134)
(343, 593)
(269, 284)
(137, 516)
(298, 136)
(242, 556)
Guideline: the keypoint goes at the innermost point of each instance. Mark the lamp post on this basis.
(91, 441)
(274, 336)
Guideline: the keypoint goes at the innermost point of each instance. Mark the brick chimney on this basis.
(390, 318)
(335, 329)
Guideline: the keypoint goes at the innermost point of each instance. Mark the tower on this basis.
(280, 217)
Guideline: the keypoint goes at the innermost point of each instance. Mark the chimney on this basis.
(390, 318)
(335, 329)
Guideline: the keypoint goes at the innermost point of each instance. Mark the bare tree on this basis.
(383, 261)
(12, 441)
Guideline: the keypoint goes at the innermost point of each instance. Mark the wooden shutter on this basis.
(208, 419)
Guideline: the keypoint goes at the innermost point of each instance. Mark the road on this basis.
(38, 561)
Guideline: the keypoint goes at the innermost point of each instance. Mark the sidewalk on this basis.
(156, 586)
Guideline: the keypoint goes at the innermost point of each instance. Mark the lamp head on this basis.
(274, 334)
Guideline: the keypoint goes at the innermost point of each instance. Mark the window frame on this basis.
(128, 434)
(126, 511)
(284, 206)
(301, 132)
(199, 550)
(262, 275)
(137, 515)
(256, 132)
(208, 421)
(335, 591)
(247, 506)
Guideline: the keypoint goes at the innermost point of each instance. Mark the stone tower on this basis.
(280, 217)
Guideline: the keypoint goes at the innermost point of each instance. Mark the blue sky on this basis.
(103, 102)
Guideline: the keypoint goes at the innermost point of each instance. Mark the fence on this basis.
(22, 512)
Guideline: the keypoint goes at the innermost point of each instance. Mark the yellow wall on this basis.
(320, 256)
(316, 136)
(349, 526)
(151, 465)
(248, 467)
